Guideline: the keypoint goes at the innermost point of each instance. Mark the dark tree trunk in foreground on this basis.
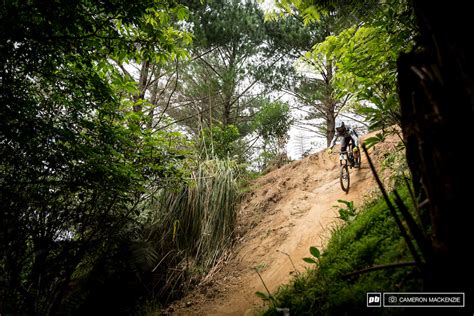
(437, 98)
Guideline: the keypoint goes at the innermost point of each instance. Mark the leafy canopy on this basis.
(76, 161)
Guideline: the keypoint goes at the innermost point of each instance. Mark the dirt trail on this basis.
(288, 210)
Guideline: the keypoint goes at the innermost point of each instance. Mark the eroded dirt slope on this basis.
(287, 211)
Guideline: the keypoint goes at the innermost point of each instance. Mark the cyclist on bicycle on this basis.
(348, 135)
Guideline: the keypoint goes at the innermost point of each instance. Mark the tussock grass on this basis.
(198, 217)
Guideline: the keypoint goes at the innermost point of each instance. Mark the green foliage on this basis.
(315, 252)
(396, 162)
(307, 10)
(372, 141)
(372, 238)
(313, 11)
(222, 22)
(322, 98)
(316, 256)
(366, 61)
(181, 232)
(366, 66)
(239, 56)
(288, 35)
(273, 121)
(198, 217)
(264, 296)
(362, 51)
(76, 163)
(349, 213)
(222, 142)
(228, 35)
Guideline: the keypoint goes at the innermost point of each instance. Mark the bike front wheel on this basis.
(344, 178)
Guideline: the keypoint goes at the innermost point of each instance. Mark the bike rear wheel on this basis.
(344, 178)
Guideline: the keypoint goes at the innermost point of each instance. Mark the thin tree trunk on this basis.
(330, 126)
(329, 104)
(153, 98)
(142, 85)
(228, 89)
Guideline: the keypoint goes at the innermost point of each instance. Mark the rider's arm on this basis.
(333, 142)
(355, 137)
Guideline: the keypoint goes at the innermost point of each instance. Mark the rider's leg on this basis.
(356, 154)
(345, 142)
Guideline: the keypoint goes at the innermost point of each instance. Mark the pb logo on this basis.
(374, 299)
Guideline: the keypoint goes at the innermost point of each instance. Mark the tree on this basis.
(365, 57)
(222, 142)
(326, 101)
(75, 160)
(272, 124)
(318, 92)
(228, 36)
(436, 87)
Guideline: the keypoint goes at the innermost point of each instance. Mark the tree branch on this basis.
(381, 267)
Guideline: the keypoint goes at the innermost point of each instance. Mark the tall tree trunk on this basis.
(329, 103)
(142, 85)
(154, 102)
(154, 97)
(437, 99)
(229, 88)
(330, 125)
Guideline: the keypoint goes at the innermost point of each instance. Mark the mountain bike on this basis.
(346, 161)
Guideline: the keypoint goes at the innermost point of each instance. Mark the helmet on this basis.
(340, 127)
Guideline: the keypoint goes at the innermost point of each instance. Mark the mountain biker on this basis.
(348, 135)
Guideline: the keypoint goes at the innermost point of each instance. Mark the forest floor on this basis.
(285, 212)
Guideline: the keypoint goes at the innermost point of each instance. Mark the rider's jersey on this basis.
(348, 133)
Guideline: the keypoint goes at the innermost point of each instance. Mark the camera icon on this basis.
(392, 299)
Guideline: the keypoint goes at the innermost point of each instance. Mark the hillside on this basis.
(287, 211)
